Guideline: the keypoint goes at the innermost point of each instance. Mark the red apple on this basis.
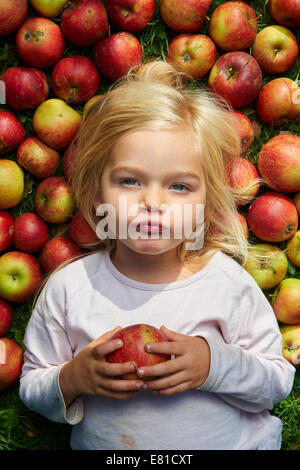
(12, 15)
(54, 201)
(6, 229)
(268, 272)
(279, 163)
(244, 128)
(12, 132)
(36, 157)
(237, 77)
(243, 176)
(286, 12)
(30, 233)
(275, 48)
(291, 343)
(194, 54)
(56, 123)
(56, 251)
(273, 217)
(20, 276)
(233, 26)
(134, 338)
(26, 88)
(286, 301)
(297, 201)
(116, 54)
(75, 79)
(40, 42)
(80, 231)
(279, 101)
(84, 22)
(184, 16)
(48, 8)
(293, 249)
(11, 183)
(11, 361)
(5, 317)
(130, 15)
(68, 162)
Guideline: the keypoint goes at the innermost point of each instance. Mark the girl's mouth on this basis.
(149, 227)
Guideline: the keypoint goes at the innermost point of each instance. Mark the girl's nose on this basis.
(153, 198)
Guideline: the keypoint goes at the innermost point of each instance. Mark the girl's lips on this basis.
(149, 226)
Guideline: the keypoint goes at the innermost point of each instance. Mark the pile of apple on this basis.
(233, 56)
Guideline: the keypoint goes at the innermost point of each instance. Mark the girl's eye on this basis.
(179, 187)
(129, 181)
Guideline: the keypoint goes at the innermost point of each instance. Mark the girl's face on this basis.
(153, 176)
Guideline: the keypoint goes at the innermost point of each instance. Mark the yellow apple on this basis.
(291, 343)
(293, 249)
(286, 301)
(11, 183)
(49, 8)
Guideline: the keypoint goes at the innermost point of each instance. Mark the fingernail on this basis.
(148, 347)
(139, 384)
(132, 367)
(141, 372)
(119, 342)
(145, 386)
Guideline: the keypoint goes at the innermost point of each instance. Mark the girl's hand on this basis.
(188, 370)
(89, 374)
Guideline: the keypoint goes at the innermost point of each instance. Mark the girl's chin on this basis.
(151, 246)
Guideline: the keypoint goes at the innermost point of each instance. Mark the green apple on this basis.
(291, 343)
(49, 8)
(56, 123)
(20, 276)
(269, 271)
(286, 301)
(11, 183)
(293, 249)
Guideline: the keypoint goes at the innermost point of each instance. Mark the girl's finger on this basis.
(166, 347)
(182, 387)
(115, 369)
(100, 350)
(166, 382)
(121, 385)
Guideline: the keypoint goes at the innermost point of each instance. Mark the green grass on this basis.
(19, 427)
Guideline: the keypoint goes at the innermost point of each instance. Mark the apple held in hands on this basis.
(275, 48)
(194, 54)
(12, 15)
(268, 272)
(75, 79)
(116, 54)
(6, 230)
(279, 163)
(20, 276)
(54, 201)
(130, 15)
(291, 343)
(49, 8)
(56, 251)
(273, 217)
(40, 42)
(11, 361)
(12, 132)
(285, 12)
(26, 88)
(36, 157)
(286, 301)
(5, 317)
(30, 233)
(134, 338)
(84, 22)
(184, 16)
(237, 77)
(56, 123)
(233, 26)
(279, 101)
(11, 183)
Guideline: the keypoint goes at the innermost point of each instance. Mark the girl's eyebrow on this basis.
(178, 174)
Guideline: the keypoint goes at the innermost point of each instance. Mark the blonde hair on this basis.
(156, 97)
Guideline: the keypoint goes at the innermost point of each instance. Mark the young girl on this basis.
(156, 143)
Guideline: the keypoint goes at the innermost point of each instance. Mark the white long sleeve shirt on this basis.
(221, 302)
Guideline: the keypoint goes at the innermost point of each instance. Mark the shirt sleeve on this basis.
(250, 371)
(47, 350)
